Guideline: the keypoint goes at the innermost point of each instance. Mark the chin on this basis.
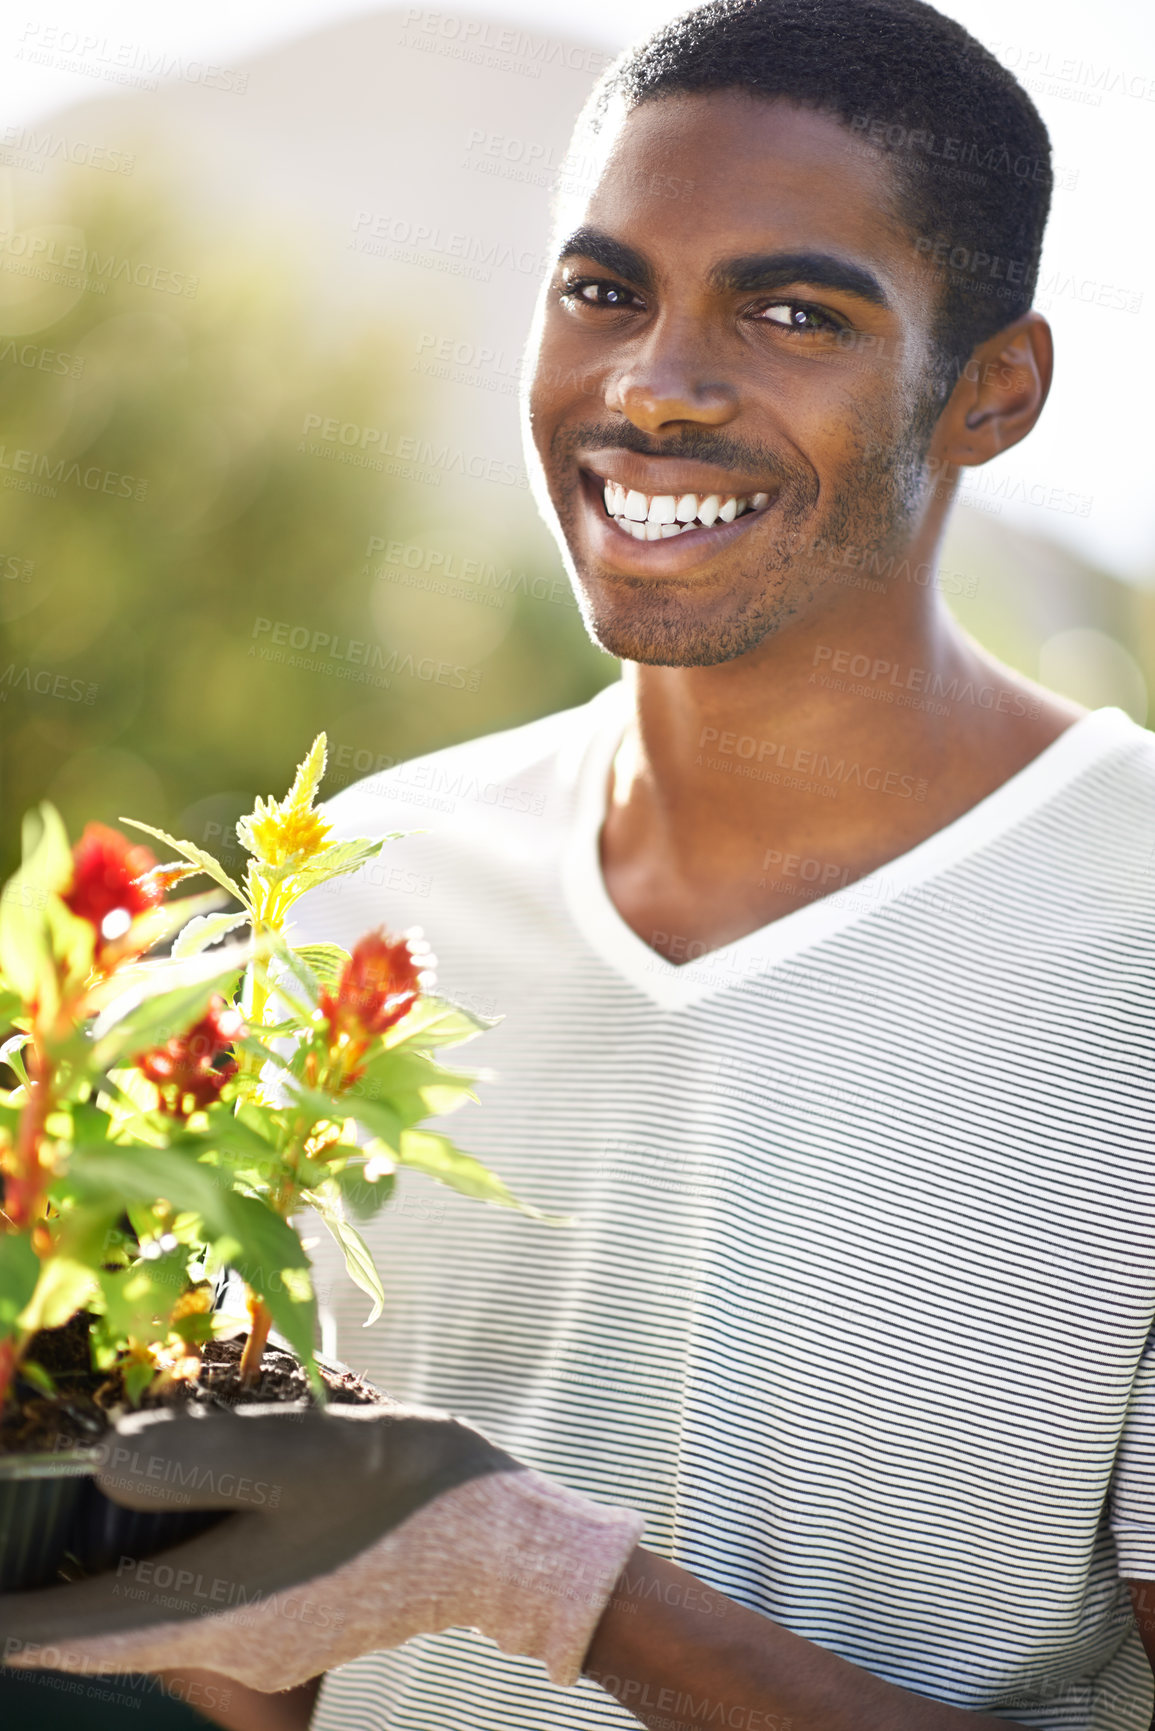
(628, 619)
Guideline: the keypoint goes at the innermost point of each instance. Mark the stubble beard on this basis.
(673, 622)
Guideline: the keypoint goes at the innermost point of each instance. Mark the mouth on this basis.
(661, 516)
(667, 533)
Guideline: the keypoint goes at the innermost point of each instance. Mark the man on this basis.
(821, 943)
(821, 988)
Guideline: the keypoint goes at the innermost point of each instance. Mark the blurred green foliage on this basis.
(171, 508)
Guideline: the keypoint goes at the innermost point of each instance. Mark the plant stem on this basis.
(9, 1364)
(268, 915)
(260, 1322)
(22, 1192)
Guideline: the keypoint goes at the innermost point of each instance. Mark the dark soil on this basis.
(88, 1402)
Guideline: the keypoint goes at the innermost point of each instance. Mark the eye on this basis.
(798, 316)
(595, 292)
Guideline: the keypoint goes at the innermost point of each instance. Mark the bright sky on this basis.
(1084, 475)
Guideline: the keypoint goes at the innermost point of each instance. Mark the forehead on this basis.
(723, 171)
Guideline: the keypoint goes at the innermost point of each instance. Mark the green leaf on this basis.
(136, 1301)
(46, 853)
(155, 925)
(359, 1262)
(199, 933)
(270, 1259)
(325, 960)
(317, 1104)
(253, 1129)
(64, 1287)
(171, 1007)
(195, 856)
(414, 1084)
(137, 1375)
(71, 939)
(105, 1174)
(320, 1107)
(364, 1196)
(19, 1272)
(437, 1022)
(35, 925)
(38, 1376)
(310, 771)
(245, 1149)
(377, 1116)
(426, 1151)
(25, 946)
(337, 861)
(295, 964)
(260, 1050)
(10, 1054)
(89, 1233)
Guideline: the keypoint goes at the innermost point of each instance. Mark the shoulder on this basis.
(1116, 761)
(516, 770)
(1100, 823)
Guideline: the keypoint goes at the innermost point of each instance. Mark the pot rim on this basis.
(72, 1463)
(83, 1459)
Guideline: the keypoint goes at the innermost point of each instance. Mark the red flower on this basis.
(378, 985)
(107, 883)
(186, 1065)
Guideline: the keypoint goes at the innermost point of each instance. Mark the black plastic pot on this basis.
(52, 1512)
(40, 1499)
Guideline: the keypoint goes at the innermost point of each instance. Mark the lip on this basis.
(617, 549)
(657, 475)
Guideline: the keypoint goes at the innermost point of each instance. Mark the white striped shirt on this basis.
(858, 1304)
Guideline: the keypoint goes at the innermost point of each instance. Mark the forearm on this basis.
(674, 1652)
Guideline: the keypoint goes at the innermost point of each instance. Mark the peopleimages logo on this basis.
(42, 248)
(802, 768)
(322, 651)
(36, 472)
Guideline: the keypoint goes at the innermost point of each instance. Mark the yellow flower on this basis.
(280, 836)
(285, 834)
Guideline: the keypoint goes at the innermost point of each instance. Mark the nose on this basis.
(670, 378)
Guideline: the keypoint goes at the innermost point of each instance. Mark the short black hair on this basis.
(971, 153)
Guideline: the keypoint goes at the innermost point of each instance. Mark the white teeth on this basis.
(663, 515)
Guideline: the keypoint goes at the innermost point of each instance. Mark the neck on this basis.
(842, 740)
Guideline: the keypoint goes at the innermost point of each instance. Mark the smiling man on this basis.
(823, 947)
(823, 943)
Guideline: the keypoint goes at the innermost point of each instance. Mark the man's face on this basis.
(745, 367)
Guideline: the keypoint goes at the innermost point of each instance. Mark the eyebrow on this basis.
(778, 270)
(754, 272)
(611, 254)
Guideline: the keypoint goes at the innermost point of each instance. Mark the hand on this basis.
(349, 1530)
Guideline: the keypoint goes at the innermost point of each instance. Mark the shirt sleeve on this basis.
(1132, 1491)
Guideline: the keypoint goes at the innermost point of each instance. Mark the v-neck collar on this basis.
(675, 985)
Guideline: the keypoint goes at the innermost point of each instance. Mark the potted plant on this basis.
(187, 1080)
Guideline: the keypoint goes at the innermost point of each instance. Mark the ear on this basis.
(999, 395)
